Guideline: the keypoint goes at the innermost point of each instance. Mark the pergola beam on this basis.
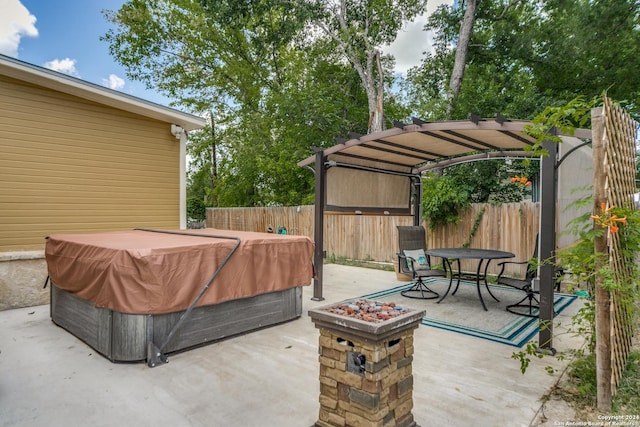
(474, 157)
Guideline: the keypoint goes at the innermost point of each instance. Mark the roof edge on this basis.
(30, 73)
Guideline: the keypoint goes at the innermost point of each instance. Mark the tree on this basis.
(489, 180)
(583, 47)
(228, 57)
(524, 56)
(493, 82)
(446, 195)
(274, 91)
(202, 176)
(359, 28)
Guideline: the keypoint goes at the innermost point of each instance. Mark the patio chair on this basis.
(530, 302)
(413, 261)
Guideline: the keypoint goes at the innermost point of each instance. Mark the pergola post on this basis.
(547, 237)
(318, 223)
(417, 200)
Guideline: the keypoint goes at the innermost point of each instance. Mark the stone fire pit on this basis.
(366, 355)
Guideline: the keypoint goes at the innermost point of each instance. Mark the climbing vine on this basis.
(474, 229)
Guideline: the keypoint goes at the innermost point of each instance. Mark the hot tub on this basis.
(141, 294)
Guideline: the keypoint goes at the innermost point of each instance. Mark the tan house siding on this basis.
(70, 165)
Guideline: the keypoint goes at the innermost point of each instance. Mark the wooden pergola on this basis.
(408, 150)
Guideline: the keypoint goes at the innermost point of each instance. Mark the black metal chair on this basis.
(530, 302)
(413, 261)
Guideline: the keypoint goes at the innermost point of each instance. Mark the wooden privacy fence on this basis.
(510, 227)
(296, 219)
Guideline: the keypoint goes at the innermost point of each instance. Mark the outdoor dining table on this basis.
(484, 257)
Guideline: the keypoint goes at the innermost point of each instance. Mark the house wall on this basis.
(68, 165)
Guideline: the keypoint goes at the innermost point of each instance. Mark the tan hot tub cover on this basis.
(145, 272)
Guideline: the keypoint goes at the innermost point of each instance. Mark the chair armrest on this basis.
(505, 263)
(402, 263)
(403, 256)
(513, 262)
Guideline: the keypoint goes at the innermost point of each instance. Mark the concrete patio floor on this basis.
(265, 378)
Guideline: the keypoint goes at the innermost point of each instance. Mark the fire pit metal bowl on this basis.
(368, 319)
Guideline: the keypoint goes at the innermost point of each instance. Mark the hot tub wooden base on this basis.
(124, 337)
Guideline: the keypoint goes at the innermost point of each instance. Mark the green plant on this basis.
(582, 380)
(581, 385)
(442, 200)
(445, 196)
(196, 209)
(627, 399)
(567, 118)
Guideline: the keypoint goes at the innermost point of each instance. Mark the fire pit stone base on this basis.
(366, 379)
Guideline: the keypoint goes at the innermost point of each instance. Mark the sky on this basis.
(64, 35)
(412, 40)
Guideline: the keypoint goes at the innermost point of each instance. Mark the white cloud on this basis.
(66, 65)
(113, 82)
(16, 22)
(412, 40)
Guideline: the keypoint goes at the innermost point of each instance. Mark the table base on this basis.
(479, 276)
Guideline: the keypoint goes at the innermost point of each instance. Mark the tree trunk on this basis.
(466, 29)
(376, 99)
(214, 156)
(365, 69)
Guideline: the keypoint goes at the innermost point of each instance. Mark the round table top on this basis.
(468, 253)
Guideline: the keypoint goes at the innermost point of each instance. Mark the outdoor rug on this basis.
(463, 313)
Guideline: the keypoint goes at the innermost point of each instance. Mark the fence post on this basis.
(603, 298)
